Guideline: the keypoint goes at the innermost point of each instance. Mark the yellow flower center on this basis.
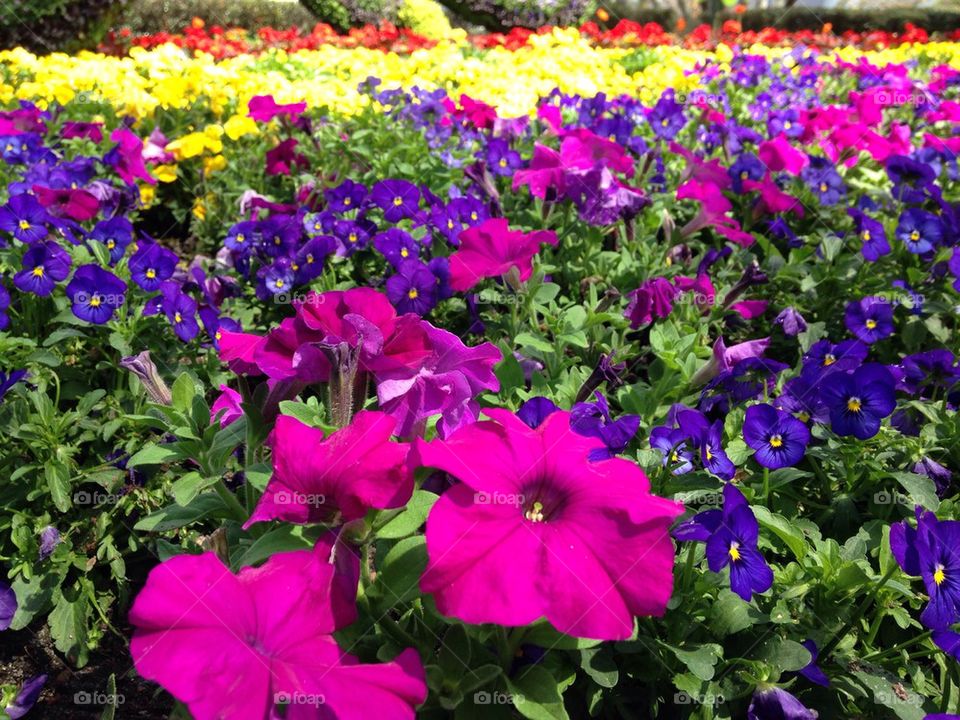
(915, 235)
(177, 317)
(352, 237)
(503, 162)
(398, 201)
(309, 258)
(787, 125)
(776, 441)
(95, 301)
(413, 294)
(317, 226)
(734, 551)
(854, 404)
(347, 201)
(240, 237)
(535, 514)
(111, 244)
(803, 416)
(865, 236)
(24, 225)
(404, 252)
(473, 216)
(151, 273)
(449, 224)
(938, 575)
(38, 271)
(823, 187)
(829, 359)
(708, 453)
(279, 283)
(871, 324)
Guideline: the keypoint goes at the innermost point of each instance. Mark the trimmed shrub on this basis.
(425, 17)
(502, 15)
(45, 26)
(343, 14)
(152, 16)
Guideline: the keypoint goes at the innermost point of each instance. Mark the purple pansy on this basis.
(779, 439)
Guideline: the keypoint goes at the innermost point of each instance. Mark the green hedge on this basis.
(890, 20)
(45, 26)
(151, 16)
(500, 15)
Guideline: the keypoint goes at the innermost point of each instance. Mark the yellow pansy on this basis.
(214, 164)
(239, 125)
(165, 173)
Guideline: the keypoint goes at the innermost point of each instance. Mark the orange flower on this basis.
(681, 24)
(197, 23)
(740, 9)
(602, 15)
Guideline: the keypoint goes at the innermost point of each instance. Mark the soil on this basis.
(72, 694)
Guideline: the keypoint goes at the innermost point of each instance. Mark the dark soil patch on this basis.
(72, 694)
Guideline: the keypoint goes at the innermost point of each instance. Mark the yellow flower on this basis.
(200, 209)
(148, 194)
(239, 125)
(214, 164)
(187, 146)
(165, 173)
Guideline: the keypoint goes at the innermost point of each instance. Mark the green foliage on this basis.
(50, 25)
(505, 14)
(343, 14)
(151, 16)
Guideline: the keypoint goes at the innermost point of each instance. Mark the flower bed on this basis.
(555, 380)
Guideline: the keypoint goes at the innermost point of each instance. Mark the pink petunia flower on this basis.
(229, 401)
(354, 469)
(491, 249)
(750, 309)
(778, 154)
(236, 646)
(127, 157)
(445, 382)
(536, 530)
(263, 108)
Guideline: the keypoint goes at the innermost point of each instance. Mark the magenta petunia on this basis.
(354, 469)
(534, 529)
(236, 646)
(491, 249)
(263, 108)
(444, 382)
(228, 401)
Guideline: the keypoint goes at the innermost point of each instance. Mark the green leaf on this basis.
(535, 694)
(921, 489)
(783, 529)
(187, 488)
(152, 454)
(785, 655)
(68, 628)
(410, 518)
(544, 635)
(890, 692)
(730, 614)
(184, 388)
(399, 577)
(177, 516)
(282, 539)
(58, 482)
(112, 699)
(702, 661)
(598, 663)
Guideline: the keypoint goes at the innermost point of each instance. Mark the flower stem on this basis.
(858, 613)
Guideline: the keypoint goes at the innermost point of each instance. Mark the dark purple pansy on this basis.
(929, 372)
(930, 552)
(773, 703)
(594, 420)
(667, 118)
(151, 265)
(824, 358)
(44, 265)
(397, 198)
(351, 235)
(731, 536)
(308, 264)
(501, 158)
(413, 288)
(27, 697)
(672, 444)
(116, 234)
(95, 294)
(346, 196)
(24, 218)
(8, 605)
(919, 230)
(779, 439)
(812, 671)
(940, 475)
(707, 438)
(871, 234)
(870, 319)
(859, 401)
(243, 236)
(535, 410)
(397, 246)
